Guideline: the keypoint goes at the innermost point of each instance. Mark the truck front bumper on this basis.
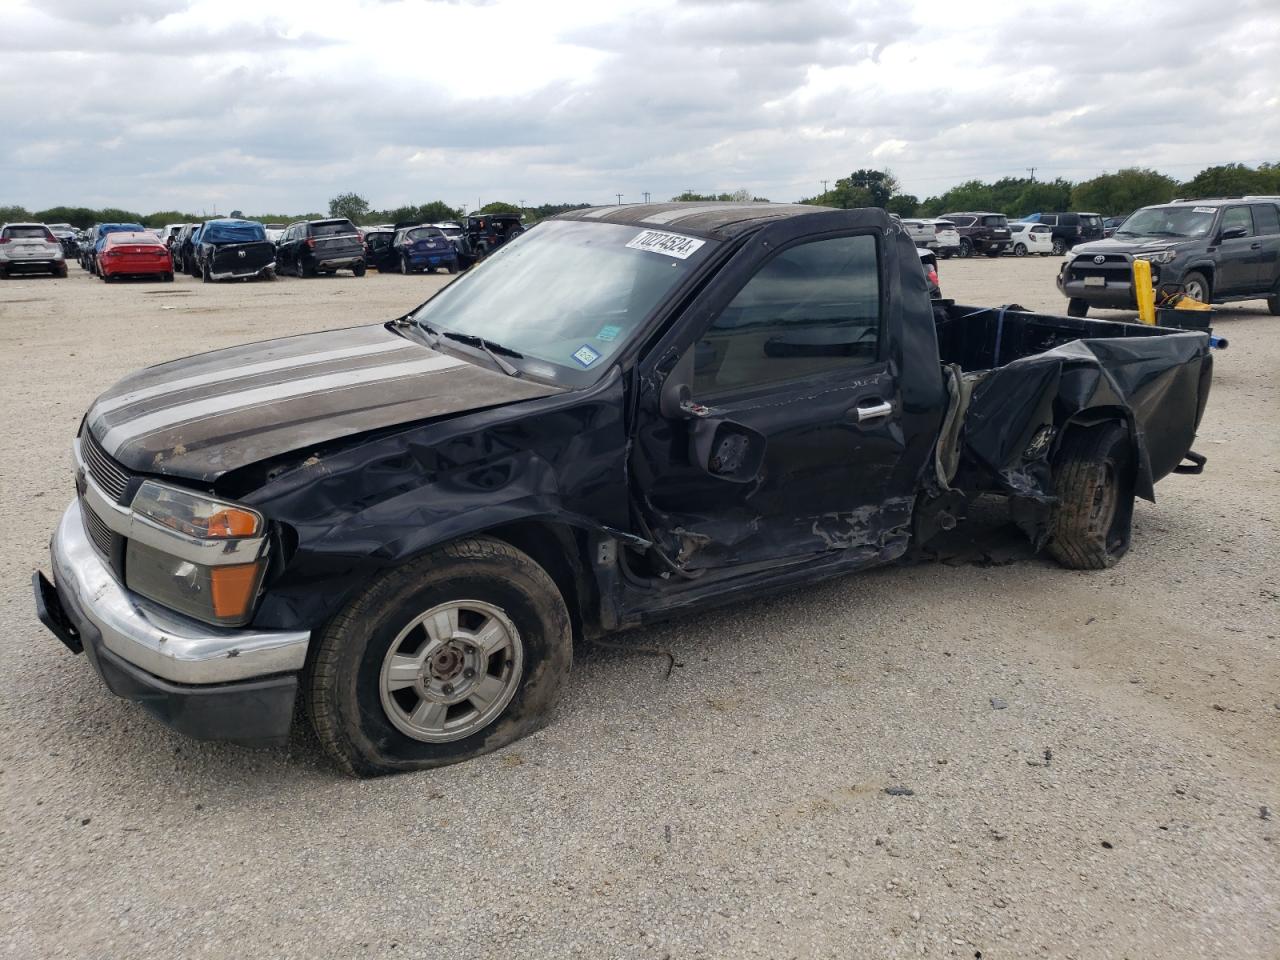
(207, 682)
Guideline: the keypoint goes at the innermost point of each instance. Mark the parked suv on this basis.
(321, 246)
(424, 248)
(920, 231)
(980, 232)
(1069, 228)
(485, 233)
(1213, 250)
(946, 241)
(30, 248)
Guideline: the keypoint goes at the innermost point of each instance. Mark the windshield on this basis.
(1169, 222)
(570, 293)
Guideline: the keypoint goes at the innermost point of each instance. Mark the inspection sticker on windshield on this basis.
(667, 244)
(608, 333)
(585, 355)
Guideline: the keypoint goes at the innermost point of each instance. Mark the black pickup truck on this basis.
(234, 250)
(625, 414)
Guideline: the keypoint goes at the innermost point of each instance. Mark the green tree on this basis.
(1122, 192)
(79, 217)
(1233, 180)
(350, 205)
(1039, 195)
(499, 206)
(904, 205)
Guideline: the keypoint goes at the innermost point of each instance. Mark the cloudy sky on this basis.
(276, 106)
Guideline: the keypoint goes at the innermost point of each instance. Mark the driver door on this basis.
(790, 441)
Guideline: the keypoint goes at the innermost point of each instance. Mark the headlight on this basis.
(195, 554)
(194, 515)
(1158, 256)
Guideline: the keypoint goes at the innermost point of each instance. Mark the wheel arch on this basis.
(1100, 417)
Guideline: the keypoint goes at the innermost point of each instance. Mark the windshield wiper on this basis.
(490, 349)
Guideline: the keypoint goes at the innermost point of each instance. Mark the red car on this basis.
(134, 255)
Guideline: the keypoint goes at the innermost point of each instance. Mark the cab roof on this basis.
(716, 219)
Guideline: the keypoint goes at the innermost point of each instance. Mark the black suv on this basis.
(486, 232)
(981, 232)
(1213, 250)
(320, 246)
(1069, 228)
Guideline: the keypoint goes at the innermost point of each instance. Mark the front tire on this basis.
(1273, 304)
(1093, 480)
(1077, 307)
(206, 275)
(1019, 249)
(446, 658)
(1196, 286)
(405, 268)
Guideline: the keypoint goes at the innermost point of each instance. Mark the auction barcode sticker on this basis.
(667, 244)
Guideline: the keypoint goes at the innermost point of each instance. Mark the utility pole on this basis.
(824, 187)
(619, 196)
(1032, 171)
(646, 196)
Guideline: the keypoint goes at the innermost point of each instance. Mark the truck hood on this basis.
(1127, 245)
(205, 415)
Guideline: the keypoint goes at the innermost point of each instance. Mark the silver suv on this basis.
(30, 248)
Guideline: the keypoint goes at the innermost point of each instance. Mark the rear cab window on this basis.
(995, 222)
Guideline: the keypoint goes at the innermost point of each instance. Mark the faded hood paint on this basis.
(205, 415)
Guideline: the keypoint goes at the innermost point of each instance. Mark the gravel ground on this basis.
(1089, 755)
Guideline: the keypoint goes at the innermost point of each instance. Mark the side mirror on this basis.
(676, 396)
(1233, 233)
(727, 450)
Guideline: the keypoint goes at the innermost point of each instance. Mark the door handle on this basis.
(871, 412)
(1255, 246)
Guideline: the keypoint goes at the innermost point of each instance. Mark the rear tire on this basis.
(453, 268)
(358, 270)
(966, 248)
(364, 718)
(1019, 249)
(167, 278)
(1093, 479)
(1059, 246)
(206, 275)
(1076, 307)
(60, 271)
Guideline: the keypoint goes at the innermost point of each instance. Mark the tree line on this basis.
(1110, 194)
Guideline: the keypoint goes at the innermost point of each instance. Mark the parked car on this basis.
(170, 233)
(274, 231)
(980, 232)
(30, 248)
(134, 254)
(424, 248)
(183, 249)
(627, 422)
(485, 233)
(946, 241)
(1110, 225)
(101, 232)
(68, 237)
(921, 232)
(1213, 250)
(1069, 229)
(307, 248)
(1030, 238)
(234, 250)
(379, 249)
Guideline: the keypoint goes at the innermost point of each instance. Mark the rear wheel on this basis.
(1059, 246)
(1019, 249)
(966, 247)
(1196, 286)
(405, 267)
(167, 278)
(358, 270)
(60, 271)
(1092, 477)
(206, 275)
(453, 268)
(444, 659)
(1077, 307)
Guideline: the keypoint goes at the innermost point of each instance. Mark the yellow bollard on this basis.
(1144, 292)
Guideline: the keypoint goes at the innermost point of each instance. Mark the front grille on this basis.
(106, 473)
(104, 539)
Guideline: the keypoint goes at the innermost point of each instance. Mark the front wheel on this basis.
(1273, 304)
(206, 275)
(1196, 286)
(446, 658)
(1077, 307)
(1092, 477)
(1019, 249)
(453, 268)
(405, 266)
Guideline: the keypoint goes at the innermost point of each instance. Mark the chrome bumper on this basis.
(152, 638)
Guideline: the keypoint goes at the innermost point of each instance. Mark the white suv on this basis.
(946, 239)
(30, 248)
(1030, 238)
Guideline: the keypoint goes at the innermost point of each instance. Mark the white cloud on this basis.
(148, 104)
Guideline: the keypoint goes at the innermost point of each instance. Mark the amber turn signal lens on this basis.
(231, 522)
(232, 589)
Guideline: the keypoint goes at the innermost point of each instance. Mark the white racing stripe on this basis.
(132, 430)
(249, 370)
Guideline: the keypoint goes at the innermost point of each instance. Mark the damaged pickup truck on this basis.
(627, 413)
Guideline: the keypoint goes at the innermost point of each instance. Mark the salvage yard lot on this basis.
(1090, 760)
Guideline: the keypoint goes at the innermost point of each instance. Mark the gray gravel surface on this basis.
(743, 807)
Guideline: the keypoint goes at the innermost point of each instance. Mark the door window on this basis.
(1238, 217)
(811, 309)
(1266, 216)
(1049, 219)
